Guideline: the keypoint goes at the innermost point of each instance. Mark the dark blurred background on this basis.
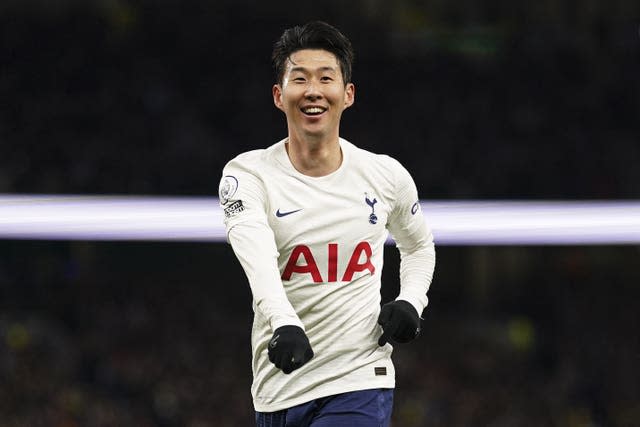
(499, 100)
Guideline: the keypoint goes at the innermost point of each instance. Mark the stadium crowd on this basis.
(514, 109)
(131, 98)
(123, 334)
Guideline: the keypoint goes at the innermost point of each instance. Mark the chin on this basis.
(315, 134)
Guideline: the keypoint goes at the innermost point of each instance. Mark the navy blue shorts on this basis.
(364, 408)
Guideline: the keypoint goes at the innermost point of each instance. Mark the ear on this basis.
(277, 96)
(349, 95)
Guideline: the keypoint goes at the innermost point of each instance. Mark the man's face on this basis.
(313, 94)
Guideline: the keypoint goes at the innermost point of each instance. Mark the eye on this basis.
(326, 78)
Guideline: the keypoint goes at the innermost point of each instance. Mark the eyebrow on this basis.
(304, 70)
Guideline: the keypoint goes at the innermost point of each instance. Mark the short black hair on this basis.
(313, 35)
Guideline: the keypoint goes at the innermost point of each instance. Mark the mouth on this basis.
(313, 110)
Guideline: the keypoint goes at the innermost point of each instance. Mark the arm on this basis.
(414, 239)
(254, 246)
(243, 199)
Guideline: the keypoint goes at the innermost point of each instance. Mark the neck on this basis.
(314, 158)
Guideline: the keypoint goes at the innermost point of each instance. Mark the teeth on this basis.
(313, 110)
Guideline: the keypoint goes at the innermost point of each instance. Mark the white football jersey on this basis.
(312, 249)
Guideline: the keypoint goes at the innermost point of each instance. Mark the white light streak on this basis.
(148, 218)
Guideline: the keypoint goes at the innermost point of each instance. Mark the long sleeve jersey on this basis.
(312, 250)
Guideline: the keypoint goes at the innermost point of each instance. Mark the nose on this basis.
(313, 90)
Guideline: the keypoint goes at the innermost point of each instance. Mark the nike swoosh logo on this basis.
(274, 341)
(281, 214)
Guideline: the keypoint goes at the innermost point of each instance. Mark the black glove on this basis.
(289, 348)
(400, 322)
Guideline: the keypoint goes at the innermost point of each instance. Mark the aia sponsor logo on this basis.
(302, 261)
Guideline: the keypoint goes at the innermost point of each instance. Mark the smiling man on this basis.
(308, 218)
(313, 94)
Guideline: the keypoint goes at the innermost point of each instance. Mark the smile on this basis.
(313, 111)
